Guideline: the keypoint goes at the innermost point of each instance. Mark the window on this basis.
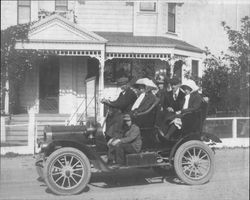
(117, 68)
(148, 6)
(23, 11)
(61, 5)
(195, 68)
(171, 17)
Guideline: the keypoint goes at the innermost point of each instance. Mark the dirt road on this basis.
(230, 182)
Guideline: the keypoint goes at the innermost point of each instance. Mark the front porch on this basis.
(85, 66)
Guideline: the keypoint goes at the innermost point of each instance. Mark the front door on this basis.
(49, 85)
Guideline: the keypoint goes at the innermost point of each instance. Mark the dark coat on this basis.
(175, 104)
(114, 125)
(194, 103)
(146, 103)
(125, 100)
(145, 120)
(133, 137)
(192, 119)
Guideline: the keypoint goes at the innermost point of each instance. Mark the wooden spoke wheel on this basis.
(194, 162)
(67, 171)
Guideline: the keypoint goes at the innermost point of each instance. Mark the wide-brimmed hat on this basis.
(191, 84)
(147, 82)
(122, 81)
(126, 117)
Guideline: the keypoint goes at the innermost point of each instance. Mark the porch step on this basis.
(50, 118)
(17, 126)
(17, 135)
(43, 120)
(18, 119)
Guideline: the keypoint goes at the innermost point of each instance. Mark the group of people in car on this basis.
(127, 113)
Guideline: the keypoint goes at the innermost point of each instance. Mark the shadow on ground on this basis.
(131, 177)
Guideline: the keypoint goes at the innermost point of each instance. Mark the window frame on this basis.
(147, 10)
(173, 15)
(195, 68)
(115, 65)
(67, 6)
(25, 6)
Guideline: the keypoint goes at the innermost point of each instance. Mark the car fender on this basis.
(209, 136)
(89, 151)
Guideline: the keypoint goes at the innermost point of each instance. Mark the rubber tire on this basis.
(178, 157)
(86, 165)
(39, 170)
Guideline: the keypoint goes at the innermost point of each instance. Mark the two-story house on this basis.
(96, 43)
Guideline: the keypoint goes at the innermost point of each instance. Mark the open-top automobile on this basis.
(69, 152)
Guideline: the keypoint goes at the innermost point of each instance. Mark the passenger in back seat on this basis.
(188, 118)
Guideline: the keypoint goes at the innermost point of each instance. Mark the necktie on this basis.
(175, 96)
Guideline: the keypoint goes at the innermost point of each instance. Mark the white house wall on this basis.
(72, 83)
(109, 16)
(8, 14)
(49, 5)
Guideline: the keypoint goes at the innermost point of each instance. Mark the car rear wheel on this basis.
(67, 171)
(194, 162)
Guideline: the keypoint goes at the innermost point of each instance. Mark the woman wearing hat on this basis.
(192, 103)
(145, 102)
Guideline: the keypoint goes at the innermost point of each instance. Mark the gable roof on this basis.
(127, 39)
(57, 28)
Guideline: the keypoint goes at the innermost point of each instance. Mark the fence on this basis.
(233, 131)
(23, 143)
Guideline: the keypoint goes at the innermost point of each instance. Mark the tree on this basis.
(15, 63)
(226, 78)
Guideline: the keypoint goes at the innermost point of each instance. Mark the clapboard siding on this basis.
(178, 20)
(81, 73)
(8, 14)
(72, 83)
(29, 89)
(105, 16)
(146, 24)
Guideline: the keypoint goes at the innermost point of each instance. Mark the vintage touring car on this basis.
(69, 152)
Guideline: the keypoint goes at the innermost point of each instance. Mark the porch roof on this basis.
(127, 39)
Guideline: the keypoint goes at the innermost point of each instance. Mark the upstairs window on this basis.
(148, 6)
(195, 68)
(171, 17)
(61, 5)
(23, 11)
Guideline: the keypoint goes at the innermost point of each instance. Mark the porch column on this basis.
(101, 84)
(6, 93)
(171, 64)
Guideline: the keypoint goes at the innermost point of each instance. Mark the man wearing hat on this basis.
(131, 141)
(174, 99)
(192, 103)
(126, 98)
(121, 105)
(172, 102)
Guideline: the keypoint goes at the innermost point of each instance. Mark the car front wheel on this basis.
(194, 162)
(67, 171)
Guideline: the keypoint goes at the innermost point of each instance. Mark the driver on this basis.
(118, 107)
